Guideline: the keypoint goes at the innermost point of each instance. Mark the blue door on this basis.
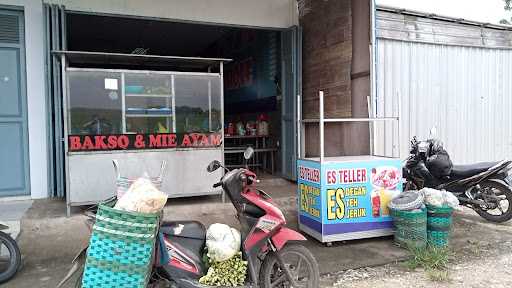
(14, 176)
(291, 69)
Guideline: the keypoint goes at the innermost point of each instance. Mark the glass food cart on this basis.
(140, 118)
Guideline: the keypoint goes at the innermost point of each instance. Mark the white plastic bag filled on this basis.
(439, 198)
(453, 201)
(142, 197)
(222, 241)
(433, 197)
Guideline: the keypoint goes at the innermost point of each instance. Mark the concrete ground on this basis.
(49, 240)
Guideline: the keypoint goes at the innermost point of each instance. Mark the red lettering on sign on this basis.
(112, 142)
(195, 139)
(155, 140)
(186, 141)
(240, 74)
(309, 174)
(139, 141)
(74, 143)
(87, 145)
(357, 175)
(99, 143)
(331, 177)
(172, 140)
(204, 140)
(123, 142)
(215, 139)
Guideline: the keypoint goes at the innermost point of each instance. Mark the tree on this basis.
(508, 7)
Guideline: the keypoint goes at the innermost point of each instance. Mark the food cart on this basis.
(140, 118)
(346, 197)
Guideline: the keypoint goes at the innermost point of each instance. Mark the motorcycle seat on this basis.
(187, 229)
(464, 171)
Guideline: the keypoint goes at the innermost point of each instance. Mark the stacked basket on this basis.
(120, 249)
(439, 222)
(410, 219)
(417, 224)
(411, 228)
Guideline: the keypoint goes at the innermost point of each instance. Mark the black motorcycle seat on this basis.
(464, 171)
(187, 229)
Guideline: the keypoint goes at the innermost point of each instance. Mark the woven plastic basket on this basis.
(439, 223)
(121, 249)
(410, 227)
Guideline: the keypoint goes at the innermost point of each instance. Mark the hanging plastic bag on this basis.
(222, 241)
(142, 197)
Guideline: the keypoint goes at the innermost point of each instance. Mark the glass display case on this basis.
(132, 102)
(140, 118)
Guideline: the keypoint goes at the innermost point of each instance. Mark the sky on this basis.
(489, 11)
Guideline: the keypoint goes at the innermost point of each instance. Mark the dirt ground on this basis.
(480, 263)
(483, 250)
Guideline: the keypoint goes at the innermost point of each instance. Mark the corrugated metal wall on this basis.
(465, 92)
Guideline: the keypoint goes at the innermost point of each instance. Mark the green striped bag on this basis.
(120, 249)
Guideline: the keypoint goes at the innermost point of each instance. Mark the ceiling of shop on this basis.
(124, 35)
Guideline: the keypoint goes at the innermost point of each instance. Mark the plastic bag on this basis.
(407, 200)
(222, 241)
(440, 198)
(142, 197)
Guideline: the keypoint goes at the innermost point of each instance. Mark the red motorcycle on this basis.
(274, 257)
(273, 261)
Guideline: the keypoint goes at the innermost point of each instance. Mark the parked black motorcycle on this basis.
(483, 187)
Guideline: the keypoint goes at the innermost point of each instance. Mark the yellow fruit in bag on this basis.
(142, 197)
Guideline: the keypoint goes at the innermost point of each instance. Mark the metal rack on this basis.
(321, 125)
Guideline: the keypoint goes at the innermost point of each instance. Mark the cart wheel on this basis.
(328, 244)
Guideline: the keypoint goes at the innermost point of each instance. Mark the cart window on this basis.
(148, 101)
(153, 103)
(94, 103)
(198, 103)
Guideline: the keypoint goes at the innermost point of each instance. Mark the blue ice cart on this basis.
(343, 198)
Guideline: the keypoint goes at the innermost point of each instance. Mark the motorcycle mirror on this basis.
(433, 132)
(214, 165)
(248, 153)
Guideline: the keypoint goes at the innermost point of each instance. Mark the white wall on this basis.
(465, 91)
(261, 13)
(34, 54)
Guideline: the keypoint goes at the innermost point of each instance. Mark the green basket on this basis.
(439, 224)
(410, 227)
(121, 249)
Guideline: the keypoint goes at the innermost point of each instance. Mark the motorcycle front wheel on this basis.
(10, 257)
(497, 211)
(301, 263)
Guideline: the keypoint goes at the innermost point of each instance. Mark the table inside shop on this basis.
(261, 148)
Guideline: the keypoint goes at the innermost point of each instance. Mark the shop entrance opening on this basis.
(260, 84)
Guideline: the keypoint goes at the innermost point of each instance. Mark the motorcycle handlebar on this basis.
(217, 184)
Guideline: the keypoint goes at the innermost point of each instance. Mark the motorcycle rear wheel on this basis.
(13, 260)
(271, 274)
(502, 191)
